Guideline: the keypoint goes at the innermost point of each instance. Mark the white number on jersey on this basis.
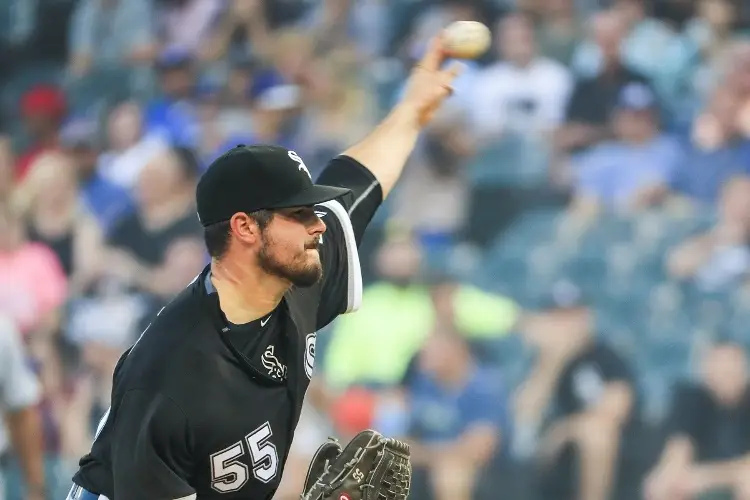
(228, 474)
(263, 453)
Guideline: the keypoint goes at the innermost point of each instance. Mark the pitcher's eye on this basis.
(302, 214)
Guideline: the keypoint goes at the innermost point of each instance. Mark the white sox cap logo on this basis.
(294, 156)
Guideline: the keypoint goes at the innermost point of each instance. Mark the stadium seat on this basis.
(511, 161)
(589, 272)
(502, 274)
(90, 95)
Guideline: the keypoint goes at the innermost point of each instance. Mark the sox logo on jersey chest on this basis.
(276, 368)
(309, 360)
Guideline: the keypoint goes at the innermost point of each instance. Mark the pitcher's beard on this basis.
(301, 275)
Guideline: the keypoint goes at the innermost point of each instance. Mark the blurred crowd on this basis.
(556, 305)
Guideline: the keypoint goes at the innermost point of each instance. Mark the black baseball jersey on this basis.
(201, 407)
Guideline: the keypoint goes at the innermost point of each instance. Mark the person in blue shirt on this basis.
(632, 171)
(173, 116)
(717, 150)
(272, 116)
(106, 201)
(458, 412)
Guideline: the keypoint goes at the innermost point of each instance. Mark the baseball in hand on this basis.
(466, 39)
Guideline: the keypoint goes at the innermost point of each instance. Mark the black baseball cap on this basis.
(262, 177)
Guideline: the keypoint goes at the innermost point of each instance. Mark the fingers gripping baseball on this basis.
(430, 84)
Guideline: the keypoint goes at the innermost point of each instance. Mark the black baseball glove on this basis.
(371, 467)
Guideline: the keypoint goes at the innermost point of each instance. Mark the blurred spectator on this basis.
(289, 58)
(523, 93)
(105, 200)
(713, 32)
(241, 82)
(19, 394)
(559, 29)
(43, 110)
(50, 200)
(283, 59)
(396, 316)
(129, 147)
(33, 291)
(146, 249)
(738, 81)
(367, 24)
(479, 315)
(338, 108)
(634, 170)
(245, 28)
(593, 99)
(226, 110)
(588, 391)
(353, 410)
(186, 23)
(719, 258)
(459, 417)
(707, 453)
(649, 46)
(374, 346)
(109, 34)
(173, 116)
(362, 25)
(330, 24)
(433, 197)
(215, 121)
(272, 114)
(717, 151)
(33, 287)
(241, 29)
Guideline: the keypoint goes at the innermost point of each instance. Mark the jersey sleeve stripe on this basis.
(364, 195)
(354, 271)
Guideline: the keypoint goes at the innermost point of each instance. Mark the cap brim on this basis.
(315, 194)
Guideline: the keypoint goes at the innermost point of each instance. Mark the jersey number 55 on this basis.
(229, 474)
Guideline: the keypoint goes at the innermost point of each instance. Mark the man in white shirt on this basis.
(19, 395)
(522, 93)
